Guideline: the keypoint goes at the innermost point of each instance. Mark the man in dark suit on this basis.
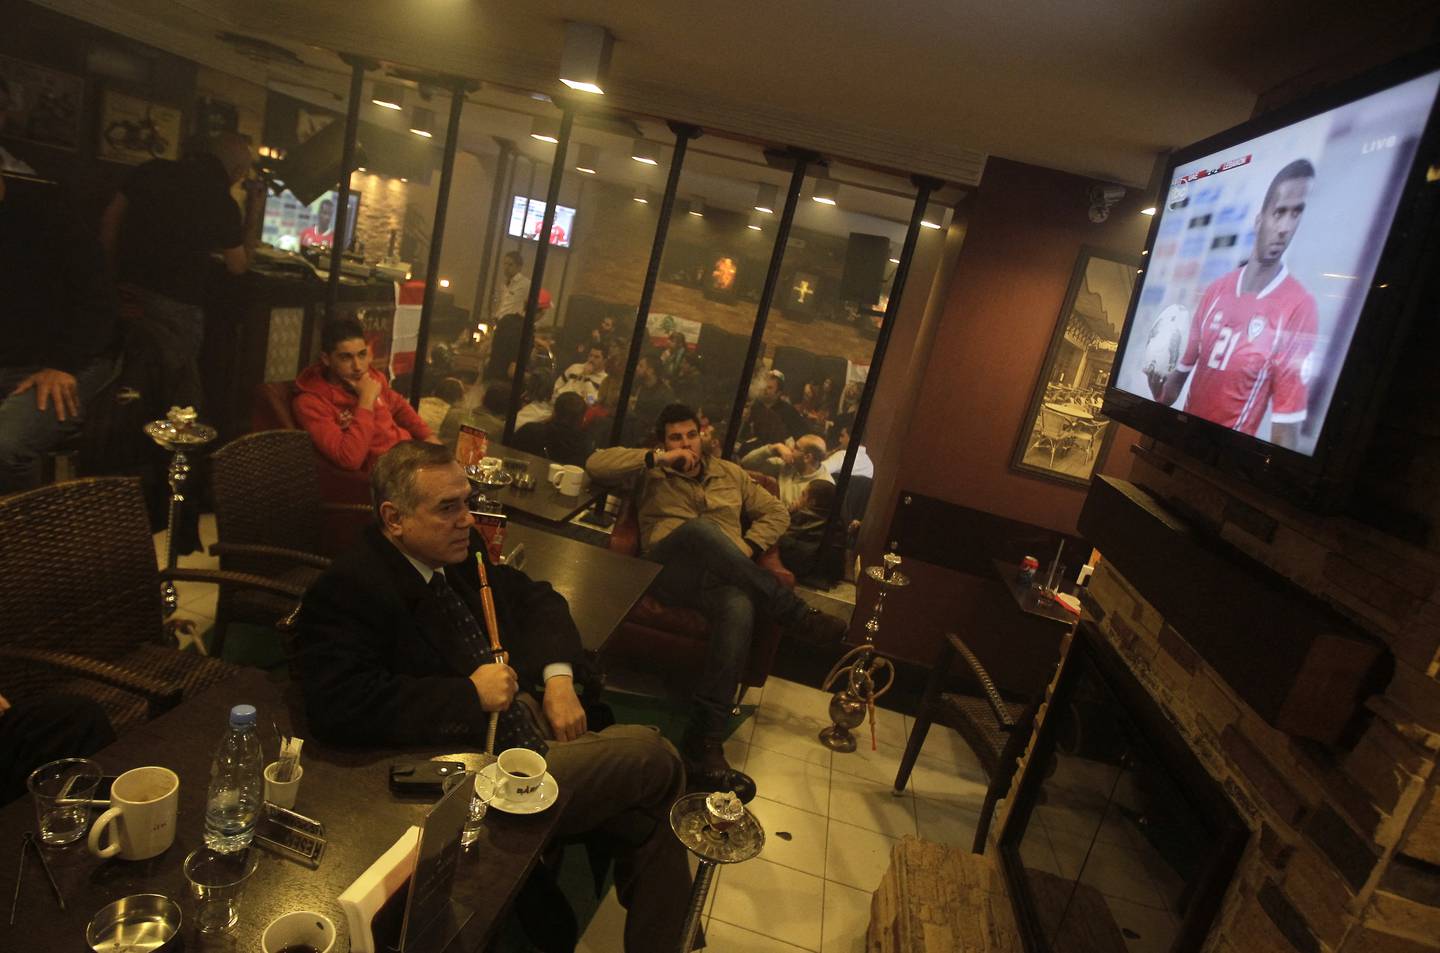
(394, 652)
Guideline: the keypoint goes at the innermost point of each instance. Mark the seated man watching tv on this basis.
(347, 407)
(793, 467)
(394, 646)
(690, 507)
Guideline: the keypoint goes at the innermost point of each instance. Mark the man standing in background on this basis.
(158, 233)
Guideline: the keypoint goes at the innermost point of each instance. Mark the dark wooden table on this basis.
(346, 790)
(544, 504)
(601, 586)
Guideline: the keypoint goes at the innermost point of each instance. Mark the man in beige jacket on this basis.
(690, 507)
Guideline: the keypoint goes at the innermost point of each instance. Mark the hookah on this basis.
(717, 829)
(861, 667)
(178, 432)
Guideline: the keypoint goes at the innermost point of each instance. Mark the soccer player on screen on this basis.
(1253, 331)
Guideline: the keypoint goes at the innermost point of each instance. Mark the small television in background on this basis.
(291, 225)
(1278, 278)
(527, 217)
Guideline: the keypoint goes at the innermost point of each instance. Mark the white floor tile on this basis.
(606, 930)
(788, 903)
(724, 937)
(870, 805)
(785, 732)
(1154, 930)
(945, 744)
(801, 700)
(1070, 852)
(1036, 853)
(847, 917)
(891, 728)
(857, 857)
(879, 765)
(793, 837)
(943, 781)
(791, 781)
(736, 751)
(200, 598)
(1121, 872)
(945, 823)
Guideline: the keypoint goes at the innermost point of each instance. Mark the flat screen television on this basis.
(527, 217)
(292, 225)
(1279, 276)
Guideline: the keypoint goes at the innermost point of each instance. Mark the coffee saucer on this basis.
(544, 797)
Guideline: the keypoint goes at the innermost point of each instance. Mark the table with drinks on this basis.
(527, 486)
(174, 815)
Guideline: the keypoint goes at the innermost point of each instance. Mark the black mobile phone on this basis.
(422, 778)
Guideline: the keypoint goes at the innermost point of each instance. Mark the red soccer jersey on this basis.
(1249, 351)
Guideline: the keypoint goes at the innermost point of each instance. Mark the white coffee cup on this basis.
(521, 772)
(552, 470)
(568, 479)
(301, 927)
(143, 802)
(282, 793)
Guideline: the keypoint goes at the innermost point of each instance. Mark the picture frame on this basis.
(134, 130)
(1063, 436)
(40, 105)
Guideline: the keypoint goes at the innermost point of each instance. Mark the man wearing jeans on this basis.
(691, 507)
(57, 328)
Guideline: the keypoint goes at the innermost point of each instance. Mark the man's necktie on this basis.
(517, 728)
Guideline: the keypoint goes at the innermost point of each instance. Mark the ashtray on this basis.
(496, 478)
(142, 923)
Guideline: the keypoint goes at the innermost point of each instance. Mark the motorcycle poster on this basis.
(133, 130)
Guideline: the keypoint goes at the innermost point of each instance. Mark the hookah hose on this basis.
(492, 625)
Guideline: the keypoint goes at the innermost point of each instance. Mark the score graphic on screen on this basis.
(1261, 261)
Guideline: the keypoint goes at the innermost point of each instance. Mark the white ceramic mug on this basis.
(568, 480)
(552, 470)
(143, 802)
(301, 928)
(521, 771)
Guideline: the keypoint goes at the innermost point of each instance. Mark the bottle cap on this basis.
(242, 716)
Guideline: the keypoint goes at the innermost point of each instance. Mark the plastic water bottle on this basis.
(237, 785)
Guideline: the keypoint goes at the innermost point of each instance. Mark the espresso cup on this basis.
(521, 771)
(301, 930)
(143, 802)
(568, 480)
(552, 470)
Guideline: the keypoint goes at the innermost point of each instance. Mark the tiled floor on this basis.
(197, 599)
(830, 822)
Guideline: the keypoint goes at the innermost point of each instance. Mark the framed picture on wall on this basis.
(134, 130)
(1063, 436)
(40, 105)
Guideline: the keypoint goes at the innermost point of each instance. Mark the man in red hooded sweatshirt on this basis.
(349, 409)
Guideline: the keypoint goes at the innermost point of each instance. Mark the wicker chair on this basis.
(996, 730)
(270, 521)
(80, 599)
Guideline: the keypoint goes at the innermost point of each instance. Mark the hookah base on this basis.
(837, 738)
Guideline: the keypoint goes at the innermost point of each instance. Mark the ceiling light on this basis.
(754, 224)
(826, 192)
(403, 179)
(926, 223)
(585, 59)
(422, 122)
(1148, 211)
(894, 261)
(544, 130)
(388, 95)
(642, 195)
(697, 208)
(935, 216)
(444, 282)
(642, 151)
(765, 196)
(360, 169)
(589, 161)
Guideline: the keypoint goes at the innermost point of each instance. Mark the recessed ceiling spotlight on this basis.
(585, 59)
(642, 195)
(388, 95)
(765, 196)
(642, 151)
(826, 192)
(544, 130)
(589, 160)
(422, 122)
(1148, 211)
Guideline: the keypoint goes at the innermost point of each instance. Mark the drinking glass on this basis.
(216, 883)
(63, 791)
(480, 797)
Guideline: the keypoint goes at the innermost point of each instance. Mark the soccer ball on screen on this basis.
(1166, 340)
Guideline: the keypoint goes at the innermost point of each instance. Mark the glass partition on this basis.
(711, 273)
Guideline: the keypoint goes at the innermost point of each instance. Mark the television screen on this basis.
(527, 217)
(292, 225)
(1260, 264)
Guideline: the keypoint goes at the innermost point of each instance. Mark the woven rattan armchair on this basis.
(270, 521)
(80, 598)
(996, 730)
